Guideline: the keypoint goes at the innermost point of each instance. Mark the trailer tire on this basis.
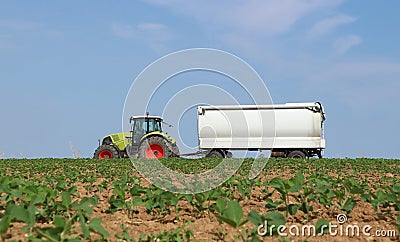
(297, 154)
(215, 154)
(319, 154)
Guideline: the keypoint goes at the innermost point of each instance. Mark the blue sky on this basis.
(66, 67)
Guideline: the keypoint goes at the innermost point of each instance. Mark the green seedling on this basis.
(232, 214)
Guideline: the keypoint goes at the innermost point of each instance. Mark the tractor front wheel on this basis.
(106, 152)
(154, 147)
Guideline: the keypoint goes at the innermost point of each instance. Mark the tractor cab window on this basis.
(153, 125)
(139, 129)
(142, 126)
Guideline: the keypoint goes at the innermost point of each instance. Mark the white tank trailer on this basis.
(293, 130)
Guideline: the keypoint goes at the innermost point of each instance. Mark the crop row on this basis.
(63, 200)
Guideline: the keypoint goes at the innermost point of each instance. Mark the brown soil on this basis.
(206, 227)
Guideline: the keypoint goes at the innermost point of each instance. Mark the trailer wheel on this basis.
(215, 154)
(319, 153)
(106, 152)
(297, 154)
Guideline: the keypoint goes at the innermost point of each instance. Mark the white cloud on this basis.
(12, 32)
(344, 44)
(359, 82)
(265, 17)
(364, 69)
(364, 85)
(151, 26)
(129, 31)
(154, 35)
(123, 30)
(327, 25)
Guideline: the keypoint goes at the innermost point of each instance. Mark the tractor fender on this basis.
(158, 133)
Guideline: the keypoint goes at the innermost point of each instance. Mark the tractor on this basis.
(145, 140)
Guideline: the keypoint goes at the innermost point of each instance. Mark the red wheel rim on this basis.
(154, 151)
(105, 154)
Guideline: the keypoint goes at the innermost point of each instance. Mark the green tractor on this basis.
(145, 140)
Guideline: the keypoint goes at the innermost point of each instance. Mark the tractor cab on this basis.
(142, 125)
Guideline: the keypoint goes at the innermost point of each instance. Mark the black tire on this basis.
(215, 154)
(297, 154)
(229, 154)
(154, 147)
(319, 154)
(106, 152)
(174, 150)
(131, 151)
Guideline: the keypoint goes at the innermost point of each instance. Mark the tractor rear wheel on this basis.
(154, 147)
(174, 150)
(106, 152)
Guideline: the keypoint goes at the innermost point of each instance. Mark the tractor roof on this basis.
(153, 117)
